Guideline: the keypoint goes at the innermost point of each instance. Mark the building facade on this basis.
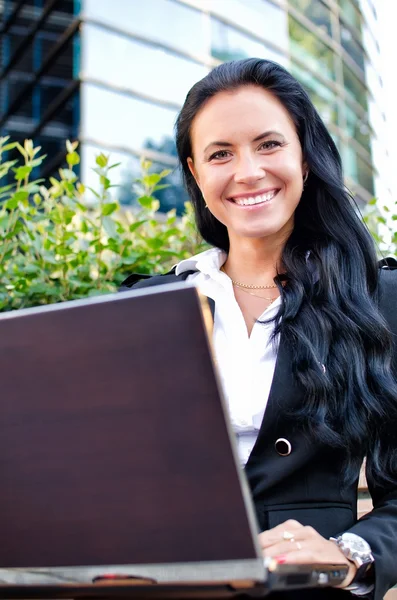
(115, 74)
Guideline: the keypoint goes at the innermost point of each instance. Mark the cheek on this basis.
(213, 183)
(289, 168)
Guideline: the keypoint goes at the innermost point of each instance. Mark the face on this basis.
(247, 161)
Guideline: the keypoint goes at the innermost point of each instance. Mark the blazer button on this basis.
(283, 447)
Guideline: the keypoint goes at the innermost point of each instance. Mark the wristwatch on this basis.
(358, 551)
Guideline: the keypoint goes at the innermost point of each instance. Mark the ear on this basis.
(192, 169)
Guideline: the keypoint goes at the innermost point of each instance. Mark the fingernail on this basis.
(281, 559)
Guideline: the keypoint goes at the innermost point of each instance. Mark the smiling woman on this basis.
(251, 181)
(303, 320)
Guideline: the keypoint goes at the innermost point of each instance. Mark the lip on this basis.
(254, 193)
(254, 206)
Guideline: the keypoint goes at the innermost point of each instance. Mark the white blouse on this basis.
(245, 363)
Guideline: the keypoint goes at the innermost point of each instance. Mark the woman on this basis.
(303, 349)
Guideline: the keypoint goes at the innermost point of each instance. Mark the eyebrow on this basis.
(257, 139)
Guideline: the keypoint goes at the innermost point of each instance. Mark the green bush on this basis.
(61, 241)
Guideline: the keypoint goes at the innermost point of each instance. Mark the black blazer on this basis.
(306, 484)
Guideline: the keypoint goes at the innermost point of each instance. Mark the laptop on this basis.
(117, 461)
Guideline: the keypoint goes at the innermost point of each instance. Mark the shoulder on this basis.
(388, 291)
(180, 272)
(139, 280)
(388, 278)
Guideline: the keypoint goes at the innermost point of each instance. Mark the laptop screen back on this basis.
(113, 443)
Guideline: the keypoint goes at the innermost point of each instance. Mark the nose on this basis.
(249, 169)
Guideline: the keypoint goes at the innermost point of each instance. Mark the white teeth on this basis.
(255, 199)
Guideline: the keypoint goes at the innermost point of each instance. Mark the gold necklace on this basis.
(256, 295)
(248, 286)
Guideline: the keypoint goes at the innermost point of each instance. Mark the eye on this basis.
(219, 155)
(270, 145)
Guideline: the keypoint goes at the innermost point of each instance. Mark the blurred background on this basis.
(114, 73)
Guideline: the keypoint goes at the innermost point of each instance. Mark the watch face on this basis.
(355, 543)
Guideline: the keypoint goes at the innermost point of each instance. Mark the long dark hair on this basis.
(340, 343)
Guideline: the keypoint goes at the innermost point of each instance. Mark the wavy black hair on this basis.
(329, 314)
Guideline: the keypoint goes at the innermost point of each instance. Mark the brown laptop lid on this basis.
(113, 442)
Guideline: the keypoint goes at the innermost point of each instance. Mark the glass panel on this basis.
(322, 97)
(63, 66)
(16, 82)
(160, 20)
(352, 47)
(126, 63)
(354, 87)
(259, 17)
(14, 39)
(316, 11)
(365, 175)
(358, 128)
(123, 120)
(357, 169)
(307, 47)
(351, 14)
(129, 170)
(229, 44)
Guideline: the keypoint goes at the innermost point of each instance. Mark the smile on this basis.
(253, 200)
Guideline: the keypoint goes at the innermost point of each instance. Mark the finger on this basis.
(297, 557)
(283, 548)
(272, 536)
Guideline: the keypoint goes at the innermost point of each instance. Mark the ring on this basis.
(288, 536)
(298, 546)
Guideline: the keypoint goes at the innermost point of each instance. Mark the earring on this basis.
(305, 178)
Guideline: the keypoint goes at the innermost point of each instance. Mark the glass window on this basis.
(159, 20)
(351, 14)
(308, 48)
(322, 97)
(13, 40)
(358, 128)
(358, 169)
(121, 120)
(126, 63)
(316, 11)
(16, 82)
(127, 172)
(259, 17)
(352, 47)
(229, 44)
(354, 87)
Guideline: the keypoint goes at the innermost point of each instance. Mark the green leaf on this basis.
(104, 181)
(22, 172)
(37, 161)
(15, 199)
(151, 179)
(161, 186)
(67, 174)
(102, 160)
(146, 201)
(72, 159)
(109, 208)
(71, 146)
(131, 258)
(134, 226)
(109, 226)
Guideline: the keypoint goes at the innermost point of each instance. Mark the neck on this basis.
(254, 261)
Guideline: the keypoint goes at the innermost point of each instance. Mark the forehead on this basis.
(248, 110)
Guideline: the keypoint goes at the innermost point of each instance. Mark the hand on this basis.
(306, 546)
